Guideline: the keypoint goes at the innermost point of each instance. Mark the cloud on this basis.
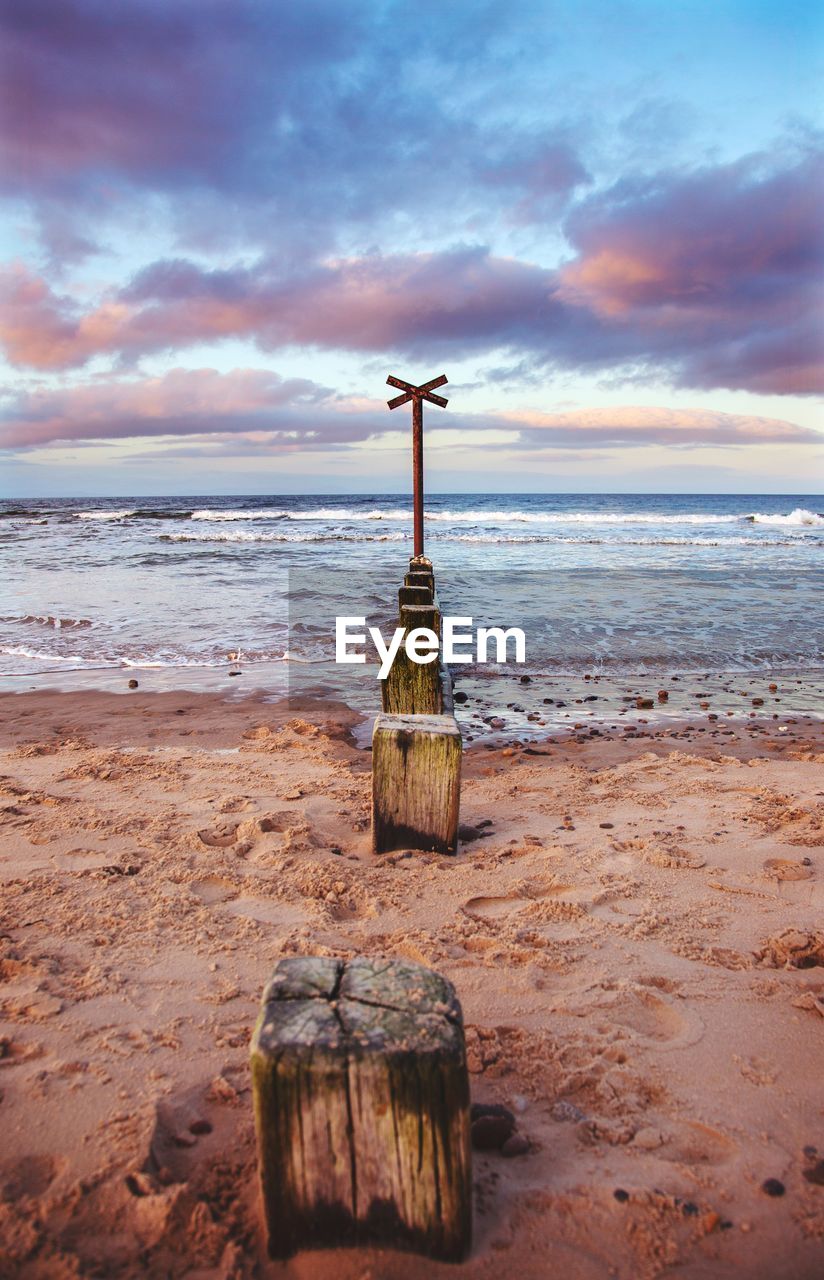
(461, 300)
(705, 280)
(723, 265)
(263, 412)
(633, 426)
(318, 118)
(181, 402)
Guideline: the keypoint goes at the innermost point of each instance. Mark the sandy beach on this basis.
(633, 926)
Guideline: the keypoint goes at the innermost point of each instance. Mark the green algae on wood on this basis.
(414, 688)
(416, 783)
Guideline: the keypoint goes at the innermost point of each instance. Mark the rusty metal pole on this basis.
(417, 395)
(417, 472)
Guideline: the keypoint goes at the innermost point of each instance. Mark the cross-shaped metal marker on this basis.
(417, 395)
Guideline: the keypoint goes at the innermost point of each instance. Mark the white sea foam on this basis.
(243, 536)
(480, 516)
(209, 514)
(559, 540)
(37, 655)
(802, 517)
(319, 513)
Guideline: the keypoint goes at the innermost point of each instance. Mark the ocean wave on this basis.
(210, 514)
(243, 536)
(319, 513)
(150, 513)
(47, 620)
(104, 515)
(800, 517)
(37, 655)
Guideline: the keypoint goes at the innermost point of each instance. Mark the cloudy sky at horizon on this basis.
(226, 221)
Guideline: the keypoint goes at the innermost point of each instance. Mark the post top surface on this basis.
(386, 1005)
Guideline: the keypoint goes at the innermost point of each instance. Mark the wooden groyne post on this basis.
(416, 742)
(361, 1099)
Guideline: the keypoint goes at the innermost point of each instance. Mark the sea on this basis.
(639, 587)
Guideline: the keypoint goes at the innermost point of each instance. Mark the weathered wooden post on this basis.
(417, 395)
(414, 688)
(361, 1100)
(416, 743)
(416, 783)
(414, 595)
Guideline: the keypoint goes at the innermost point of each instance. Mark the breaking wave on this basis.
(799, 517)
(47, 620)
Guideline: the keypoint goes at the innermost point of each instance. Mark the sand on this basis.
(636, 940)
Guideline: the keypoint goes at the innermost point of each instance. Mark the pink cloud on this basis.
(709, 280)
(181, 402)
(268, 413)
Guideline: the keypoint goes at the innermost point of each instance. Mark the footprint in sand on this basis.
(693, 1143)
(649, 1015)
(214, 889)
(220, 836)
(662, 853)
(523, 895)
(284, 915)
(233, 804)
(788, 869)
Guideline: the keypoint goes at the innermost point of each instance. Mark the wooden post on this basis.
(419, 579)
(361, 1099)
(414, 688)
(414, 595)
(420, 615)
(416, 783)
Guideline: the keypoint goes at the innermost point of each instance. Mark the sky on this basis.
(225, 222)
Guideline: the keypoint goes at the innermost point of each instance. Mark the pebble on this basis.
(526, 679)
(517, 1145)
(648, 1139)
(621, 1195)
(606, 826)
(772, 1187)
(459, 696)
(132, 684)
(564, 1111)
(489, 1133)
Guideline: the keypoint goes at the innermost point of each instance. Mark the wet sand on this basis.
(636, 940)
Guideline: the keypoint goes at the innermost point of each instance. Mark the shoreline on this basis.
(632, 926)
(502, 708)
